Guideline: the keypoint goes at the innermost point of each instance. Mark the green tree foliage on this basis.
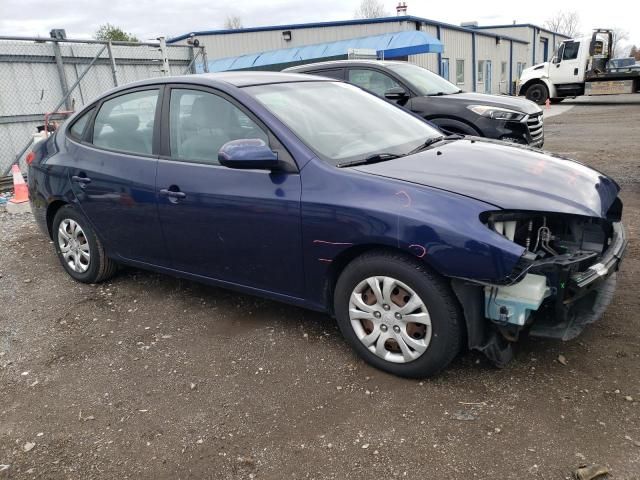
(108, 32)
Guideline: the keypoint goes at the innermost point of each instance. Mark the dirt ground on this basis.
(149, 376)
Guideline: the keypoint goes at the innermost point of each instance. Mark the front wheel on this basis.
(398, 315)
(537, 93)
(80, 251)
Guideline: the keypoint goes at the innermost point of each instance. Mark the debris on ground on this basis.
(591, 472)
(562, 360)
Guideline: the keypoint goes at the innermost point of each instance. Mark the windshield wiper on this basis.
(375, 158)
(427, 144)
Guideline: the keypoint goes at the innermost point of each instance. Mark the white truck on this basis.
(581, 66)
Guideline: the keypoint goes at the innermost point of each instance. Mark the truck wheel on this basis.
(537, 93)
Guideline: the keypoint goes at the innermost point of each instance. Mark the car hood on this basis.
(509, 177)
(514, 103)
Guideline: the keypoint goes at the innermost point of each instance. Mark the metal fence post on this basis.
(63, 78)
(164, 57)
(205, 61)
(114, 71)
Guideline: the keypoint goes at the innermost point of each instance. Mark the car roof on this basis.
(343, 63)
(238, 79)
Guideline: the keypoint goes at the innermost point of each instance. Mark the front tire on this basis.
(398, 315)
(78, 248)
(537, 93)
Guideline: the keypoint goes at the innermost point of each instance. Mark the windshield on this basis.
(342, 123)
(424, 81)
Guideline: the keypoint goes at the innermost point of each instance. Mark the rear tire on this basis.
(79, 249)
(537, 93)
(415, 339)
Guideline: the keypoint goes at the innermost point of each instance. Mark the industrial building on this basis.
(482, 59)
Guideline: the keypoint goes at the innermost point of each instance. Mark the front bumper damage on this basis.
(579, 288)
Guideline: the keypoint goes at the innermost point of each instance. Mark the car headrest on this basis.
(124, 123)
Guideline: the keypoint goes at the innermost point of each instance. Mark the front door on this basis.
(566, 67)
(488, 76)
(239, 226)
(113, 175)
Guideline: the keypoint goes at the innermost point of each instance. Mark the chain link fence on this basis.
(51, 77)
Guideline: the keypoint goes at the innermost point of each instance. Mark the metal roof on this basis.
(388, 45)
(516, 25)
(364, 21)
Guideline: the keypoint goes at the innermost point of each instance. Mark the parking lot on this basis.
(149, 376)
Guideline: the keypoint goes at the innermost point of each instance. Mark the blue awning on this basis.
(388, 45)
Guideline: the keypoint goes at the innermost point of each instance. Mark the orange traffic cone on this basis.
(20, 190)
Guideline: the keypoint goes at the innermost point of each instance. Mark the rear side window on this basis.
(125, 123)
(200, 123)
(372, 80)
(335, 73)
(78, 127)
(570, 50)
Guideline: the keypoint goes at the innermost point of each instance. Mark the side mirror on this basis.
(555, 60)
(395, 93)
(249, 153)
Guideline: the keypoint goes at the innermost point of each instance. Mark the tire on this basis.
(79, 249)
(437, 344)
(537, 93)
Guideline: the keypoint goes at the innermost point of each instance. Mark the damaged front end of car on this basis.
(564, 280)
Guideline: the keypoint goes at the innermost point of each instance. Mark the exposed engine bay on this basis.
(566, 276)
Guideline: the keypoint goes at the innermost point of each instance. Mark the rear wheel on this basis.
(80, 251)
(537, 93)
(399, 316)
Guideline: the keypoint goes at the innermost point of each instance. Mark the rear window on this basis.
(79, 126)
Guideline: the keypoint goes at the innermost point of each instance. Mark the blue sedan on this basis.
(316, 193)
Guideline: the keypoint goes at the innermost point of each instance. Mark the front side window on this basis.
(342, 123)
(460, 71)
(372, 80)
(480, 71)
(200, 123)
(125, 123)
(570, 50)
(424, 81)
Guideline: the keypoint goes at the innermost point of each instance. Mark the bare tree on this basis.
(233, 22)
(371, 9)
(634, 52)
(566, 23)
(619, 39)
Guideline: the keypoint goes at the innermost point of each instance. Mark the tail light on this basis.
(30, 157)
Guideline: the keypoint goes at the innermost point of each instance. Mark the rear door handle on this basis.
(172, 193)
(78, 179)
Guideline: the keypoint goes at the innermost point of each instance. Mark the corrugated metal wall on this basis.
(457, 46)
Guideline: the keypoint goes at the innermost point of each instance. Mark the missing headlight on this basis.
(551, 234)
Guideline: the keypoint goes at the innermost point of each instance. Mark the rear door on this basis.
(113, 172)
(239, 226)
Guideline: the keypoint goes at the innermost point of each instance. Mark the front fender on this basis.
(346, 208)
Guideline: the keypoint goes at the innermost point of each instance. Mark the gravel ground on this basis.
(149, 376)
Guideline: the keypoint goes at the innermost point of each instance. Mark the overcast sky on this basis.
(149, 18)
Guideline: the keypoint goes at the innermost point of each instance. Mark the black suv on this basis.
(439, 101)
